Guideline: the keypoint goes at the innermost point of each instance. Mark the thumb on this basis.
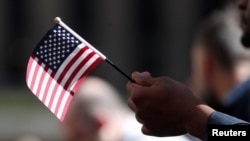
(143, 79)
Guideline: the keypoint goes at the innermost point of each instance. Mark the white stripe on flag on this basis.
(45, 83)
(75, 65)
(82, 71)
(38, 77)
(59, 72)
(67, 60)
(48, 97)
(31, 71)
(67, 76)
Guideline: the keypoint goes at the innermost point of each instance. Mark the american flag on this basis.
(57, 66)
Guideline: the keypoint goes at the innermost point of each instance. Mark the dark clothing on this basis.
(237, 102)
(236, 105)
(218, 118)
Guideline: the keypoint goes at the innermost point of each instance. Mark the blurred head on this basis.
(97, 110)
(217, 54)
(79, 123)
(103, 99)
(244, 6)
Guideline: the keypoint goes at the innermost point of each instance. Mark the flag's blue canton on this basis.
(55, 47)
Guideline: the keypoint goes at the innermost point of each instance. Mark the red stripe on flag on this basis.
(66, 106)
(71, 62)
(74, 89)
(45, 74)
(47, 87)
(78, 68)
(34, 74)
(97, 61)
(69, 81)
(65, 71)
(28, 68)
(41, 81)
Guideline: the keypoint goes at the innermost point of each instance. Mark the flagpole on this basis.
(58, 20)
(119, 70)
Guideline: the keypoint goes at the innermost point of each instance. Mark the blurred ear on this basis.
(100, 121)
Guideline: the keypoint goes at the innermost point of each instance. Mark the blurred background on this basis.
(137, 35)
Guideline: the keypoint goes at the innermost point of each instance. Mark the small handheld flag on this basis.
(58, 65)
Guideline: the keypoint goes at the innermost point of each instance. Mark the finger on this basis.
(146, 73)
(132, 105)
(129, 87)
(133, 89)
(143, 79)
(139, 119)
(146, 131)
(137, 92)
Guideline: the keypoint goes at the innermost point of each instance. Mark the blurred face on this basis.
(244, 6)
(80, 128)
(201, 80)
(75, 131)
(197, 59)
